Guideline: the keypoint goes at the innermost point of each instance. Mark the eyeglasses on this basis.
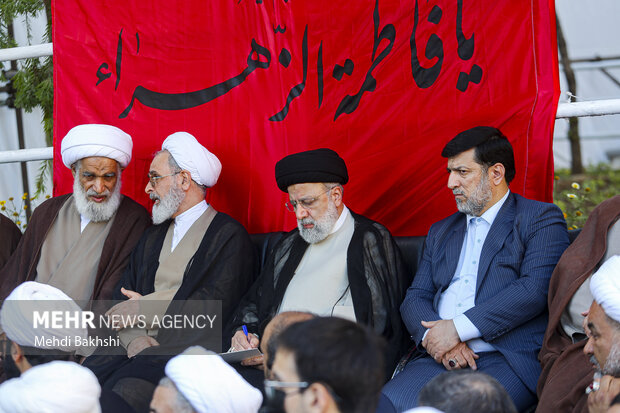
(306, 203)
(154, 178)
(273, 386)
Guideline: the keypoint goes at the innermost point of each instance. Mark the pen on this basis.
(245, 331)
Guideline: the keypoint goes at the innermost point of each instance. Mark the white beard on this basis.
(322, 226)
(96, 211)
(168, 204)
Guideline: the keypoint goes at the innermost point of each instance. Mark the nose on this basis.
(148, 188)
(453, 181)
(588, 350)
(301, 212)
(98, 185)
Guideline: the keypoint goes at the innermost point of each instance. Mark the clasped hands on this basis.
(127, 313)
(443, 344)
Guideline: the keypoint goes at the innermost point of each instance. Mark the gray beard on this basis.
(95, 211)
(475, 203)
(322, 226)
(168, 204)
(612, 364)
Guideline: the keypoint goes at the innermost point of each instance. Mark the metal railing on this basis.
(565, 110)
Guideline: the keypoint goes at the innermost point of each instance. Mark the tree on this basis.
(573, 123)
(33, 81)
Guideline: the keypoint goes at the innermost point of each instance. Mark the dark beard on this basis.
(10, 368)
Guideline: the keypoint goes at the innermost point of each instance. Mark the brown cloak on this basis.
(9, 238)
(129, 223)
(566, 371)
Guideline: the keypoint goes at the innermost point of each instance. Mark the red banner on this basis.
(385, 83)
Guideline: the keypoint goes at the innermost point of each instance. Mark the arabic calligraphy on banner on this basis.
(385, 83)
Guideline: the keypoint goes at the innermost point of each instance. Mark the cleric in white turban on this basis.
(88, 140)
(193, 252)
(55, 387)
(207, 383)
(32, 300)
(80, 242)
(605, 287)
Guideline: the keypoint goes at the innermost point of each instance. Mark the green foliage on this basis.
(34, 80)
(578, 195)
(15, 210)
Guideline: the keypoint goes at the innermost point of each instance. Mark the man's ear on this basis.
(16, 353)
(336, 194)
(497, 173)
(317, 398)
(187, 179)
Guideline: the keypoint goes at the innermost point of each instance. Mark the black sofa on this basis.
(410, 247)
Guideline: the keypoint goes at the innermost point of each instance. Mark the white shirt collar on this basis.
(343, 216)
(184, 221)
(491, 213)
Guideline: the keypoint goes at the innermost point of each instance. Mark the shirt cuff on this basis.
(425, 333)
(465, 328)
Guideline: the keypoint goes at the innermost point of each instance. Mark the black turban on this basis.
(318, 165)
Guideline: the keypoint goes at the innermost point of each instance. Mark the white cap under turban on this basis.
(210, 384)
(88, 140)
(54, 387)
(605, 287)
(193, 157)
(18, 312)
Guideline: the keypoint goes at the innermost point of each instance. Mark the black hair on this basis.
(345, 356)
(35, 357)
(466, 391)
(491, 147)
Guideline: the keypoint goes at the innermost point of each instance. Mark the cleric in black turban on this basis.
(318, 165)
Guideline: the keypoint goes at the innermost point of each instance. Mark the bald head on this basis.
(275, 327)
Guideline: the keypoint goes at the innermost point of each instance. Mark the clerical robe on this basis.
(566, 371)
(222, 268)
(9, 238)
(129, 222)
(376, 274)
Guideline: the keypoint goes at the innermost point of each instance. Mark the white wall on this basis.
(591, 29)
(10, 174)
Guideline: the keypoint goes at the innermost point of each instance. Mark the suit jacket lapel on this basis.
(453, 250)
(501, 228)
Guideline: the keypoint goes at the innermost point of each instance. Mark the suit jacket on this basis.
(518, 256)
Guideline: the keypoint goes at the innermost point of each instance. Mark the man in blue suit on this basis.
(479, 298)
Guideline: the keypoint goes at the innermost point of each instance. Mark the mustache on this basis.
(306, 221)
(154, 196)
(92, 192)
(458, 192)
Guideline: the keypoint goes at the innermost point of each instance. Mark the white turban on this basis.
(605, 287)
(88, 140)
(54, 387)
(18, 312)
(210, 384)
(193, 157)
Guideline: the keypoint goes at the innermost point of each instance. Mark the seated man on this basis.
(466, 391)
(603, 330)
(340, 369)
(192, 253)
(273, 330)
(81, 242)
(200, 381)
(27, 346)
(479, 298)
(565, 372)
(10, 236)
(334, 263)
